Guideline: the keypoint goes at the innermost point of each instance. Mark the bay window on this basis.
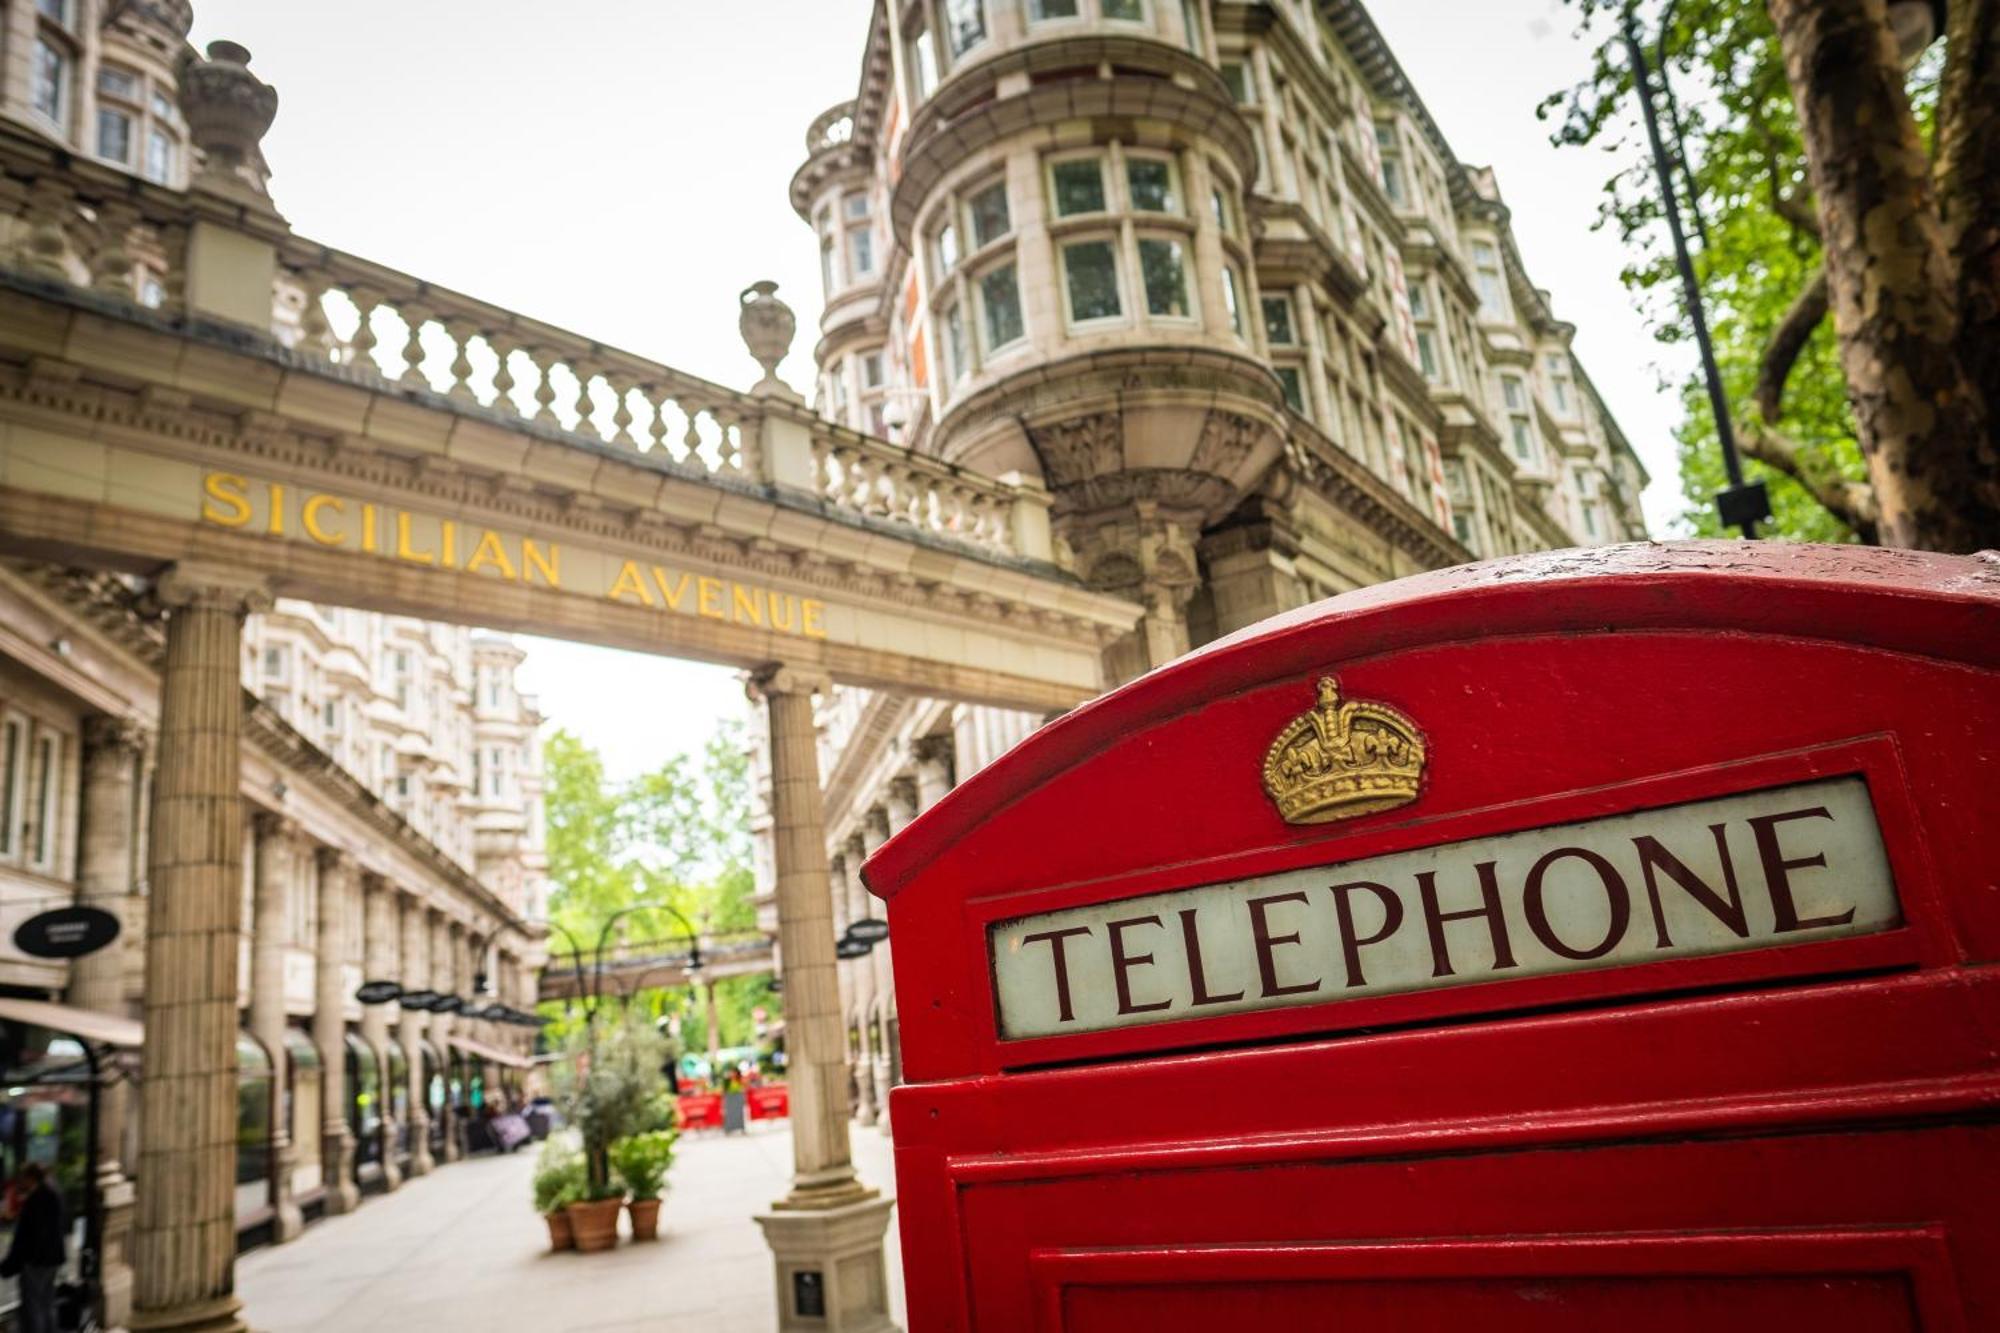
(1278, 321)
(1151, 183)
(964, 24)
(1078, 186)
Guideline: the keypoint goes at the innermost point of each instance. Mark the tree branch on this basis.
(1852, 502)
(1808, 308)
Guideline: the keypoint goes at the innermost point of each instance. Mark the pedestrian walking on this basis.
(36, 1253)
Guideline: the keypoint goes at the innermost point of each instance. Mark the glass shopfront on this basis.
(255, 1098)
(434, 1096)
(364, 1108)
(44, 1118)
(399, 1099)
(302, 1110)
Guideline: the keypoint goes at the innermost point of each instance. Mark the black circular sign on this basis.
(420, 999)
(66, 932)
(446, 1004)
(378, 992)
(852, 948)
(869, 930)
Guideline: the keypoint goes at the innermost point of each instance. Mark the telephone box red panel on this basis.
(1594, 939)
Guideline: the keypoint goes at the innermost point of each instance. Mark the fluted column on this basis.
(830, 1224)
(861, 975)
(276, 867)
(379, 942)
(184, 1247)
(442, 1026)
(815, 1036)
(336, 1138)
(113, 751)
(416, 976)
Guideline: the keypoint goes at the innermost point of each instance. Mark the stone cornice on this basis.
(1324, 467)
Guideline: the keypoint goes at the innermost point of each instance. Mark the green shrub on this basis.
(560, 1176)
(641, 1161)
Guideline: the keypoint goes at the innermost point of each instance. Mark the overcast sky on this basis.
(619, 167)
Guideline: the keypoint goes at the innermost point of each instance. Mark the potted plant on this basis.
(641, 1161)
(614, 1093)
(559, 1182)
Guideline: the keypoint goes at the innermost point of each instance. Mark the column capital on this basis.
(274, 825)
(335, 860)
(106, 736)
(933, 749)
(213, 587)
(903, 793)
(875, 827)
(779, 678)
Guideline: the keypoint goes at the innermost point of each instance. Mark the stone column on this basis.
(113, 751)
(336, 1138)
(901, 809)
(873, 835)
(184, 1245)
(379, 963)
(830, 1225)
(270, 930)
(417, 976)
(443, 1025)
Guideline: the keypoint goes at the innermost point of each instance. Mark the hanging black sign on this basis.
(66, 932)
(378, 992)
(421, 999)
(848, 947)
(869, 930)
(447, 1004)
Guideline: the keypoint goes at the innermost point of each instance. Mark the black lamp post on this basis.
(1744, 504)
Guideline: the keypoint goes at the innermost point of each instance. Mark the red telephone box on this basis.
(1598, 939)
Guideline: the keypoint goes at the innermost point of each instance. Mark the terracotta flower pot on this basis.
(595, 1223)
(560, 1236)
(645, 1218)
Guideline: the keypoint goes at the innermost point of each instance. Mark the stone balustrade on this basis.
(90, 227)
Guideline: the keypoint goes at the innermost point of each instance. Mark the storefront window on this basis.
(44, 1118)
(399, 1097)
(434, 1094)
(364, 1105)
(253, 1130)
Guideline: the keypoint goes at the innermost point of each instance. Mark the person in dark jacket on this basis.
(36, 1253)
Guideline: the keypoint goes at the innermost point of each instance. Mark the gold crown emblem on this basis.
(1342, 760)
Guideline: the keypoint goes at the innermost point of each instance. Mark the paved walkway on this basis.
(464, 1249)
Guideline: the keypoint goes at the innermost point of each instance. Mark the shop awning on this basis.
(104, 1029)
(493, 1053)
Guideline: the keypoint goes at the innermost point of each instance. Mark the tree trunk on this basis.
(1923, 421)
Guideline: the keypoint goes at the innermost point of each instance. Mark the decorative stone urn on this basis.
(767, 325)
(228, 111)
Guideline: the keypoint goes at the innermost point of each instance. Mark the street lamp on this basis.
(1744, 504)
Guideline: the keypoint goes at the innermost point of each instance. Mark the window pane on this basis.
(159, 156)
(954, 344)
(162, 108)
(13, 742)
(1288, 379)
(1419, 307)
(861, 250)
(1510, 389)
(1079, 187)
(1427, 354)
(1092, 274)
(988, 211)
(946, 247)
(965, 24)
(856, 205)
(1152, 186)
(1522, 447)
(1134, 10)
(1278, 320)
(1052, 9)
(1236, 76)
(923, 64)
(1233, 299)
(1000, 298)
(871, 370)
(1191, 20)
(51, 74)
(114, 136)
(1165, 277)
(117, 82)
(1220, 207)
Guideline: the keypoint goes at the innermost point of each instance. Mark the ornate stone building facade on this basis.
(1210, 274)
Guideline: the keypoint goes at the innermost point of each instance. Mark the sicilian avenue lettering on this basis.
(1753, 870)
